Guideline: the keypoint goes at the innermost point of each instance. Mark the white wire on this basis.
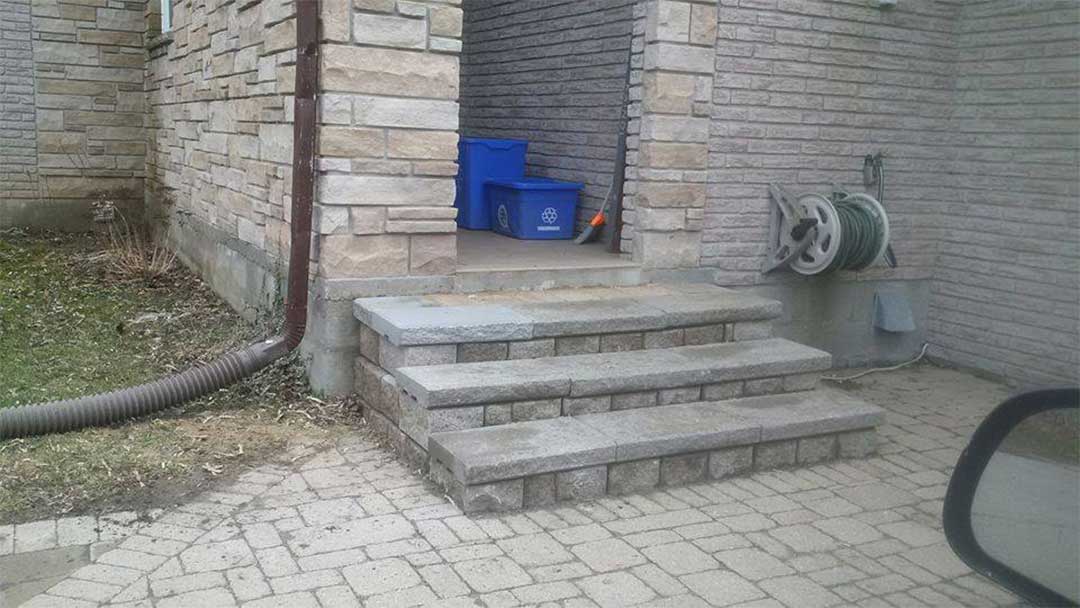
(922, 354)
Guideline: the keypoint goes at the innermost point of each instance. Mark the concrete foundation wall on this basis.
(552, 73)
(71, 110)
(1005, 293)
(837, 316)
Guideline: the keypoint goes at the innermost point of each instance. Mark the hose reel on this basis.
(814, 234)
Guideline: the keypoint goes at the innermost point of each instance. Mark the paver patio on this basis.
(351, 526)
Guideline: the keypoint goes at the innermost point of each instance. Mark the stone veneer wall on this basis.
(1006, 287)
(18, 134)
(388, 139)
(220, 142)
(552, 73)
(88, 110)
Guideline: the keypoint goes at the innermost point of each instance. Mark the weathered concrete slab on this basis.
(818, 412)
(509, 451)
(500, 316)
(601, 316)
(485, 382)
(419, 325)
(715, 307)
(663, 431)
(607, 373)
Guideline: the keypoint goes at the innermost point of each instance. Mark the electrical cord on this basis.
(922, 354)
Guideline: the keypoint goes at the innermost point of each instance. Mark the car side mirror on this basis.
(1012, 510)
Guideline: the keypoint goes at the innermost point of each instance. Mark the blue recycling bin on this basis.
(480, 160)
(533, 207)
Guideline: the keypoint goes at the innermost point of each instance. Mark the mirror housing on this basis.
(963, 486)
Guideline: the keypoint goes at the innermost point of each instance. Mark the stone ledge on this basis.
(505, 452)
(437, 386)
(421, 320)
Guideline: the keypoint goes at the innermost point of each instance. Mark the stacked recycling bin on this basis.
(493, 193)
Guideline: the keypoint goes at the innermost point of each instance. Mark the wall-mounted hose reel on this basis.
(816, 234)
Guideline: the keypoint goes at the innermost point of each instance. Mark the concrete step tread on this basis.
(524, 315)
(458, 384)
(511, 451)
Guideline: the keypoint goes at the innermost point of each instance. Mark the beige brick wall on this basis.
(219, 133)
(803, 91)
(1006, 288)
(666, 164)
(89, 111)
(388, 138)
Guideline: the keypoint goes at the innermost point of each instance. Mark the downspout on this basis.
(114, 406)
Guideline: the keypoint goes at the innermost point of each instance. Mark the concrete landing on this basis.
(488, 261)
(523, 315)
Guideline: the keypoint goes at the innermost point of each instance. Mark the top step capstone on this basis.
(525, 315)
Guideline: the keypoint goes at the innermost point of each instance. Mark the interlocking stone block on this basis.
(635, 476)
(473, 352)
(857, 444)
(683, 469)
(816, 449)
(730, 461)
(498, 496)
(539, 490)
(581, 484)
(532, 349)
(774, 455)
(577, 406)
(576, 345)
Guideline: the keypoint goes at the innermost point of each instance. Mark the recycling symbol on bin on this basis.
(550, 215)
(503, 217)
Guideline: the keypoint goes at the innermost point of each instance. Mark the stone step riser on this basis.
(381, 351)
(643, 475)
(419, 422)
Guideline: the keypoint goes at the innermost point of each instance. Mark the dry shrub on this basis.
(134, 254)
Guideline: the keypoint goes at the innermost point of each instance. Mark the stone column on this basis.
(384, 215)
(388, 138)
(667, 185)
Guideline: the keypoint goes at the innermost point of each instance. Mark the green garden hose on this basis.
(850, 232)
(864, 233)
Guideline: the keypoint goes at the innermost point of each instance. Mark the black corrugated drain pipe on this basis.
(114, 406)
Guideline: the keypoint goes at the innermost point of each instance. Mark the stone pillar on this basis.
(384, 215)
(667, 185)
(388, 138)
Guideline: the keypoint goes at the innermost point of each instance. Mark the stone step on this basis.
(468, 395)
(449, 328)
(529, 464)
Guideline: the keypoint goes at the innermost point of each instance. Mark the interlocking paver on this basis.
(680, 558)
(535, 550)
(609, 554)
(351, 524)
(492, 574)
(374, 578)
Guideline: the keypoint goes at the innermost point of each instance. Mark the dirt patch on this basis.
(68, 327)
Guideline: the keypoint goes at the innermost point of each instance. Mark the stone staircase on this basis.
(521, 399)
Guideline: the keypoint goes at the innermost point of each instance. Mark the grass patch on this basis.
(70, 326)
